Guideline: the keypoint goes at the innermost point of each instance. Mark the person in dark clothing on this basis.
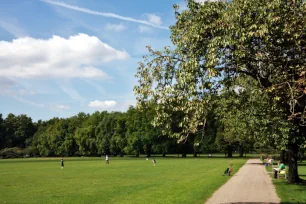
(62, 163)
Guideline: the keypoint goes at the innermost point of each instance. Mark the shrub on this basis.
(11, 153)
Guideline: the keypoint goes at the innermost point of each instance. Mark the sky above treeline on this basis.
(58, 58)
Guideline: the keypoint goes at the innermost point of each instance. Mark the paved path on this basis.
(251, 184)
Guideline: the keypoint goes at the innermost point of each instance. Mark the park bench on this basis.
(283, 172)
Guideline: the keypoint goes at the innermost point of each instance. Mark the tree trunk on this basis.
(194, 151)
(241, 151)
(301, 155)
(148, 149)
(282, 155)
(293, 176)
(164, 154)
(286, 157)
(229, 151)
(183, 154)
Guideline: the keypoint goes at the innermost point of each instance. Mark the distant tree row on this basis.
(115, 133)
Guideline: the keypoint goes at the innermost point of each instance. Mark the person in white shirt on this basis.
(107, 160)
(154, 161)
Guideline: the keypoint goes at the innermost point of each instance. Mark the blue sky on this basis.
(58, 58)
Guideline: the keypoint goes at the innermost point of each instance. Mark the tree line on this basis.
(116, 133)
(234, 123)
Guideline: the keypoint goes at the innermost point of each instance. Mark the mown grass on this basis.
(291, 193)
(124, 180)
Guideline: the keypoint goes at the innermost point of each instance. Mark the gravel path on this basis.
(251, 184)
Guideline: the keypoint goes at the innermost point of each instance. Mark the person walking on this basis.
(154, 161)
(62, 162)
(107, 159)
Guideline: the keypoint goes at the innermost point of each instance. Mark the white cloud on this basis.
(154, 19)
(108, 15)
(57, 57)
(62, 107)
(144, 29)
(102, 105)
(124, 105)
(115, 27)
(112, 105)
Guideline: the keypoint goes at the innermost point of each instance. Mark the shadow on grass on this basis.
(126, 157)
(301, 164)
(263, 203)
(250, 203)
(200, 157)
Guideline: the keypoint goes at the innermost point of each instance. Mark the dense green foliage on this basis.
(14, 130)
(124, 180)
(100, 133)
(222, 45)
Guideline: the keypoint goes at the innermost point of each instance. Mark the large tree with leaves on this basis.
(217, 41)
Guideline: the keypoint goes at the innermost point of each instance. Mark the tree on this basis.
(2, 132)
(217, 41)
(104, 133)
(118, 140)
(133, 132)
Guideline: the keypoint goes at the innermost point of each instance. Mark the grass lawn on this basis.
(290, 193)
(124, 180)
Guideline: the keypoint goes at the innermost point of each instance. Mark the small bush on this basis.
(30, 151)
(11, 153)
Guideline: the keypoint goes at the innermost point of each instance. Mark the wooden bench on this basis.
(281, 172)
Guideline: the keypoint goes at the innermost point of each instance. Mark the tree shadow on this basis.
(249, 203)
(262, 203)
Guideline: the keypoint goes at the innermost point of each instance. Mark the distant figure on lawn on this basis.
(154, 161)
(268, 161)
(228, 170)
(107, 159)
(62, 163)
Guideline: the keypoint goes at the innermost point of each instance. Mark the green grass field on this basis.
(290, 193)
(124, 180)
